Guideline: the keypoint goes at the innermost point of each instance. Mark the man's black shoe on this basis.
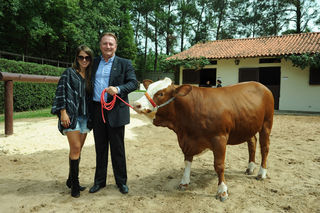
(95, 188)
(123, 188)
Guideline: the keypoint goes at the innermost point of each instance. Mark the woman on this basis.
(70, 105)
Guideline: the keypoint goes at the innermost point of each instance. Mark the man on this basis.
(219, 82)
(115, 75)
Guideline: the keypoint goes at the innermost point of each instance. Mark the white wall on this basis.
(295, 92)
(227, 72)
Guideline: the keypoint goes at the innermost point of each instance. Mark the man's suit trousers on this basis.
(105, 135)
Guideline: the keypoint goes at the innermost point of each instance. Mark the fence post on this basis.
(8, 107)
(8, 79)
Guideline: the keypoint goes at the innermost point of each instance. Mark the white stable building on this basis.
(260, 59)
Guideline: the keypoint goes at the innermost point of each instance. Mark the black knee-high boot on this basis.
(68, 182)
(74, 176)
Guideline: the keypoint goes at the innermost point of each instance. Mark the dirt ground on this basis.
(34, 167)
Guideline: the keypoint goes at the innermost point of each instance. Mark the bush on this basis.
(29, 96)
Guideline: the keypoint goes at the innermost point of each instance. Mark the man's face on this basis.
(108, 46)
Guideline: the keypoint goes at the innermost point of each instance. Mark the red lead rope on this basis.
(109, 106)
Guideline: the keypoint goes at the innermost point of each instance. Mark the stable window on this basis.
(314, 76)
(213, 62)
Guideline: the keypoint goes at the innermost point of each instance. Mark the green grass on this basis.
(30, 114)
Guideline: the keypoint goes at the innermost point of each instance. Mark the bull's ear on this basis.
(146, 83)
(182, 90)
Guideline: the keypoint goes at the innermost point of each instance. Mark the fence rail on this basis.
(8, 79)
(10, 55)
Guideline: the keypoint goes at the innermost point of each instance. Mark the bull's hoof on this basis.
(250, 168)
(249, 172)
(222, 197)
(183, 187)
(259, 177)
(262, 174)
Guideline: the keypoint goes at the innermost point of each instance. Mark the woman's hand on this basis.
(65, 120)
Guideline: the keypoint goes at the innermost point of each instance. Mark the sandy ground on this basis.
(34, 167)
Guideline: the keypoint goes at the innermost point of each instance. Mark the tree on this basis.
(54, 28)
(220, 8)
(142, 9)
(170, 38)
(200, 30)
(186, 12)
(126, 46)
(96, 17)
(301, 12)
(274, 17)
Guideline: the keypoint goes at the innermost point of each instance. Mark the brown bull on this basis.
(211, 118)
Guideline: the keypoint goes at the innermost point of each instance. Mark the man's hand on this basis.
(112, 90)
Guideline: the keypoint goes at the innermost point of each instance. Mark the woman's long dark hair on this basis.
(88, 71)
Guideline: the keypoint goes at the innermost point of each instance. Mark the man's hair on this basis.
(109, 34)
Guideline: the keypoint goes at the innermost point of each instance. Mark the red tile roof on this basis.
(254, 47)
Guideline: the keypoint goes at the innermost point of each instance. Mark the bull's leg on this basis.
(185, 181)
(264, 145)
(219, 153)
(252, 142)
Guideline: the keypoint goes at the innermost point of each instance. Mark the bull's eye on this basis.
(161, 94)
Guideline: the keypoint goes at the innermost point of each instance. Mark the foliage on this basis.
(29, 96)
(146, 28)
(53, 29)
(305, 60)
(142, 64)
(126, 46)
(94, 18)
(186, 11)
(302, 12)
(189, 63)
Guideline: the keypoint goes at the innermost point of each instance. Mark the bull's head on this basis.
(158, 94)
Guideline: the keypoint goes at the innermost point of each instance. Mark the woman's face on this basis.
(83, 59)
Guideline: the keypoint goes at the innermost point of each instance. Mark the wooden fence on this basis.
(25, 58)
(8, 79)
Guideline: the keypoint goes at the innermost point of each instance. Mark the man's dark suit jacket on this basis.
(122, 75)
